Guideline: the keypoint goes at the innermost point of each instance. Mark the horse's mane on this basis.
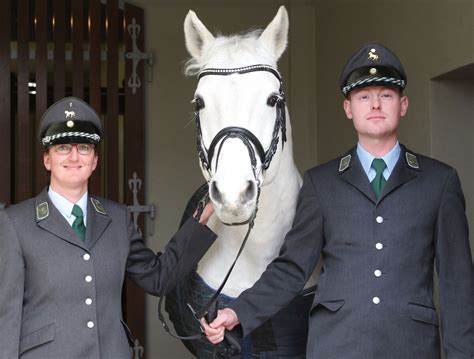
(242, 43)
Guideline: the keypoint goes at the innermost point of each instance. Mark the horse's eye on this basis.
(199, 103)
(272, 100)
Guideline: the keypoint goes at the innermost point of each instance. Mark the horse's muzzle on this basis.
(234, 206)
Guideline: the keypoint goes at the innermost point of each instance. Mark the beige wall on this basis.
(452, 130)
(431, 37)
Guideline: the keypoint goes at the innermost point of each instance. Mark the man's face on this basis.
(70, 170)
(376, 112)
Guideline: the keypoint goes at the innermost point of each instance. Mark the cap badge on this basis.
(373, 71)
(372, 55)
(70, 114)
(344, 164)
(412, 161)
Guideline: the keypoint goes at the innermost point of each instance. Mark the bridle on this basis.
(246, 136)
(254, 147)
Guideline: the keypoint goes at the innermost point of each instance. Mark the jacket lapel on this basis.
(97, 221)
(51, 220)
(405, 170)
(352, 172)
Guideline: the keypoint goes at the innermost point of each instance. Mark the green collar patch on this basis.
(42, 211)
(98, 206)
(412, 161)
(345, 162)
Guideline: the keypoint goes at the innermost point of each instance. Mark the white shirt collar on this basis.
(64, 206)
(390, 159)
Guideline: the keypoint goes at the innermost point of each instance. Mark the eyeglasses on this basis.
(82, 148)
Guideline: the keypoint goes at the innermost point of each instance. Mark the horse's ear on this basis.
(275, 36)
(197, 36)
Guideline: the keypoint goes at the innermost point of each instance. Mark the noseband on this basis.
(246, 136)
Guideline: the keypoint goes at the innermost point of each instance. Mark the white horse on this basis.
(233, 92)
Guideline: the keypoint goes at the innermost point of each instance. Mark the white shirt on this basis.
(64, 206)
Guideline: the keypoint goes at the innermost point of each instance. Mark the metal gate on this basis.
(91, 49)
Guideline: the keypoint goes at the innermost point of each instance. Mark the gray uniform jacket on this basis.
(61, 297)
(374, 298)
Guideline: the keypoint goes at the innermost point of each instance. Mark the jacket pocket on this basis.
(128, 333)
(422, 313)
(40, 336)
(331, 305)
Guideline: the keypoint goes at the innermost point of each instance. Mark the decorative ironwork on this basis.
(135, 184)
(137, 350)
(136, 55)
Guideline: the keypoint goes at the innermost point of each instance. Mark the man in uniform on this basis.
(380, 216)
(64, 254)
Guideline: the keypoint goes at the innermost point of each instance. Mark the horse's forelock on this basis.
(245, 42)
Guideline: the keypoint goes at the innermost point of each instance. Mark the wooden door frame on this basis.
(71, 28)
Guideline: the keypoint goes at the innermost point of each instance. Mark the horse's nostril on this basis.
(250, 192)
(214, 192)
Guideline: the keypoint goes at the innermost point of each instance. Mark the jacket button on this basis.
(379, 219)
(379, 246)
(88, 301)
(86, 256)
(377, 273)
(376, 300)
(88, 279)
(90, 325)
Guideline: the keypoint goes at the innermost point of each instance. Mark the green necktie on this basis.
(78, 224)
(379, 181)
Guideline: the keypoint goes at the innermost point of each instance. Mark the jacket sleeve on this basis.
(455, 271)
(11, 288)
(287, 274)
(153, 272)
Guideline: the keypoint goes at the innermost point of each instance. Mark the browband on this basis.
(239, 70)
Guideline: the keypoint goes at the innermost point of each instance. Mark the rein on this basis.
(209, 310)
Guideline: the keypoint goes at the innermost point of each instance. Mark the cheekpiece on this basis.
(70, 120)
(372, 65)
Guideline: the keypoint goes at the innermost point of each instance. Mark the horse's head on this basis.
(240, 112)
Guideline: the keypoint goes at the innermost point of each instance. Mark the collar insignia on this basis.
(412, 161)
(42, 211)
(98, 206)
(344, 164)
